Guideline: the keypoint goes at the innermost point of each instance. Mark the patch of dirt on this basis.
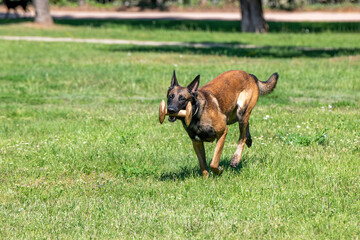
(138, 9)
(225, 8)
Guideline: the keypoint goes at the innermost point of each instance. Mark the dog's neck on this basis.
(195, 105)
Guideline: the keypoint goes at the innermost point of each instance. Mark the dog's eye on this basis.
(171, 96)
(182, 98)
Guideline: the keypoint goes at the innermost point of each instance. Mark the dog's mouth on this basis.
(172, 118)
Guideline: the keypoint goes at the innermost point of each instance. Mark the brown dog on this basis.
(228, 98)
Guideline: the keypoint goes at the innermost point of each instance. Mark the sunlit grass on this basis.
(82, 154)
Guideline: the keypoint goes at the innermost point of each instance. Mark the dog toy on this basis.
(187, 113)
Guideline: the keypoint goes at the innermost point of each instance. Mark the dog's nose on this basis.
(171, 110)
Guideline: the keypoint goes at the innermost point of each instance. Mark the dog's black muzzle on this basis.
(172, 110)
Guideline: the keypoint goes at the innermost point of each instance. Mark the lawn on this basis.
(344, 35)
(82, 154)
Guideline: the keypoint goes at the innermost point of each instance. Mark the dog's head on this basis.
(178, 97)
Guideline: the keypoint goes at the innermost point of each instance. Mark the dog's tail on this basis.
(268, 86)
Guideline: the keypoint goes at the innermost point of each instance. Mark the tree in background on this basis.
(42, 12)
(252, 18)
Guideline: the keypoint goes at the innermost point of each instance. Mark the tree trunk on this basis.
(42, 9)
(252, 19)
(81, 3)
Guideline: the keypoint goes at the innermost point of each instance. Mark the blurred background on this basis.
(230, 4)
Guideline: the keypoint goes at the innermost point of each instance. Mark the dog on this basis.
(227, 99)
(14, 4)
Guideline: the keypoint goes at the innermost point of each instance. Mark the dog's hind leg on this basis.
(245, 104)
(248, 136)
(236, 158)
(200, 153)
(214, 165)
(243, 115)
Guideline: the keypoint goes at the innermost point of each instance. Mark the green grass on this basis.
(82, 154)
(344, 35)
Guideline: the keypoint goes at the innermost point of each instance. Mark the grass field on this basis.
(82, 154)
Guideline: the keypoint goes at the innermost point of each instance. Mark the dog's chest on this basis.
(201, 130)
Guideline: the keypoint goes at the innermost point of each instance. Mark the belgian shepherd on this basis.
(227, 99)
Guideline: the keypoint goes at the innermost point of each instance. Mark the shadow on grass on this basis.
(186, 172)
(200, 25)
(213, 25)
(251, 52)
(4, 21)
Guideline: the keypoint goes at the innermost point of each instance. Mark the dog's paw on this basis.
(205, 174)
(218, 171)
(248, 142)
(234, 165)
(235, 161)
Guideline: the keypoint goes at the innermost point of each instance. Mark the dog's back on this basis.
(227, 87)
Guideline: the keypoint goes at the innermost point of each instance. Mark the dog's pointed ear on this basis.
(193, 86)
(174, 81)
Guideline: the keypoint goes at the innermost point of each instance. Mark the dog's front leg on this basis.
(214, 165)
(200, 153)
